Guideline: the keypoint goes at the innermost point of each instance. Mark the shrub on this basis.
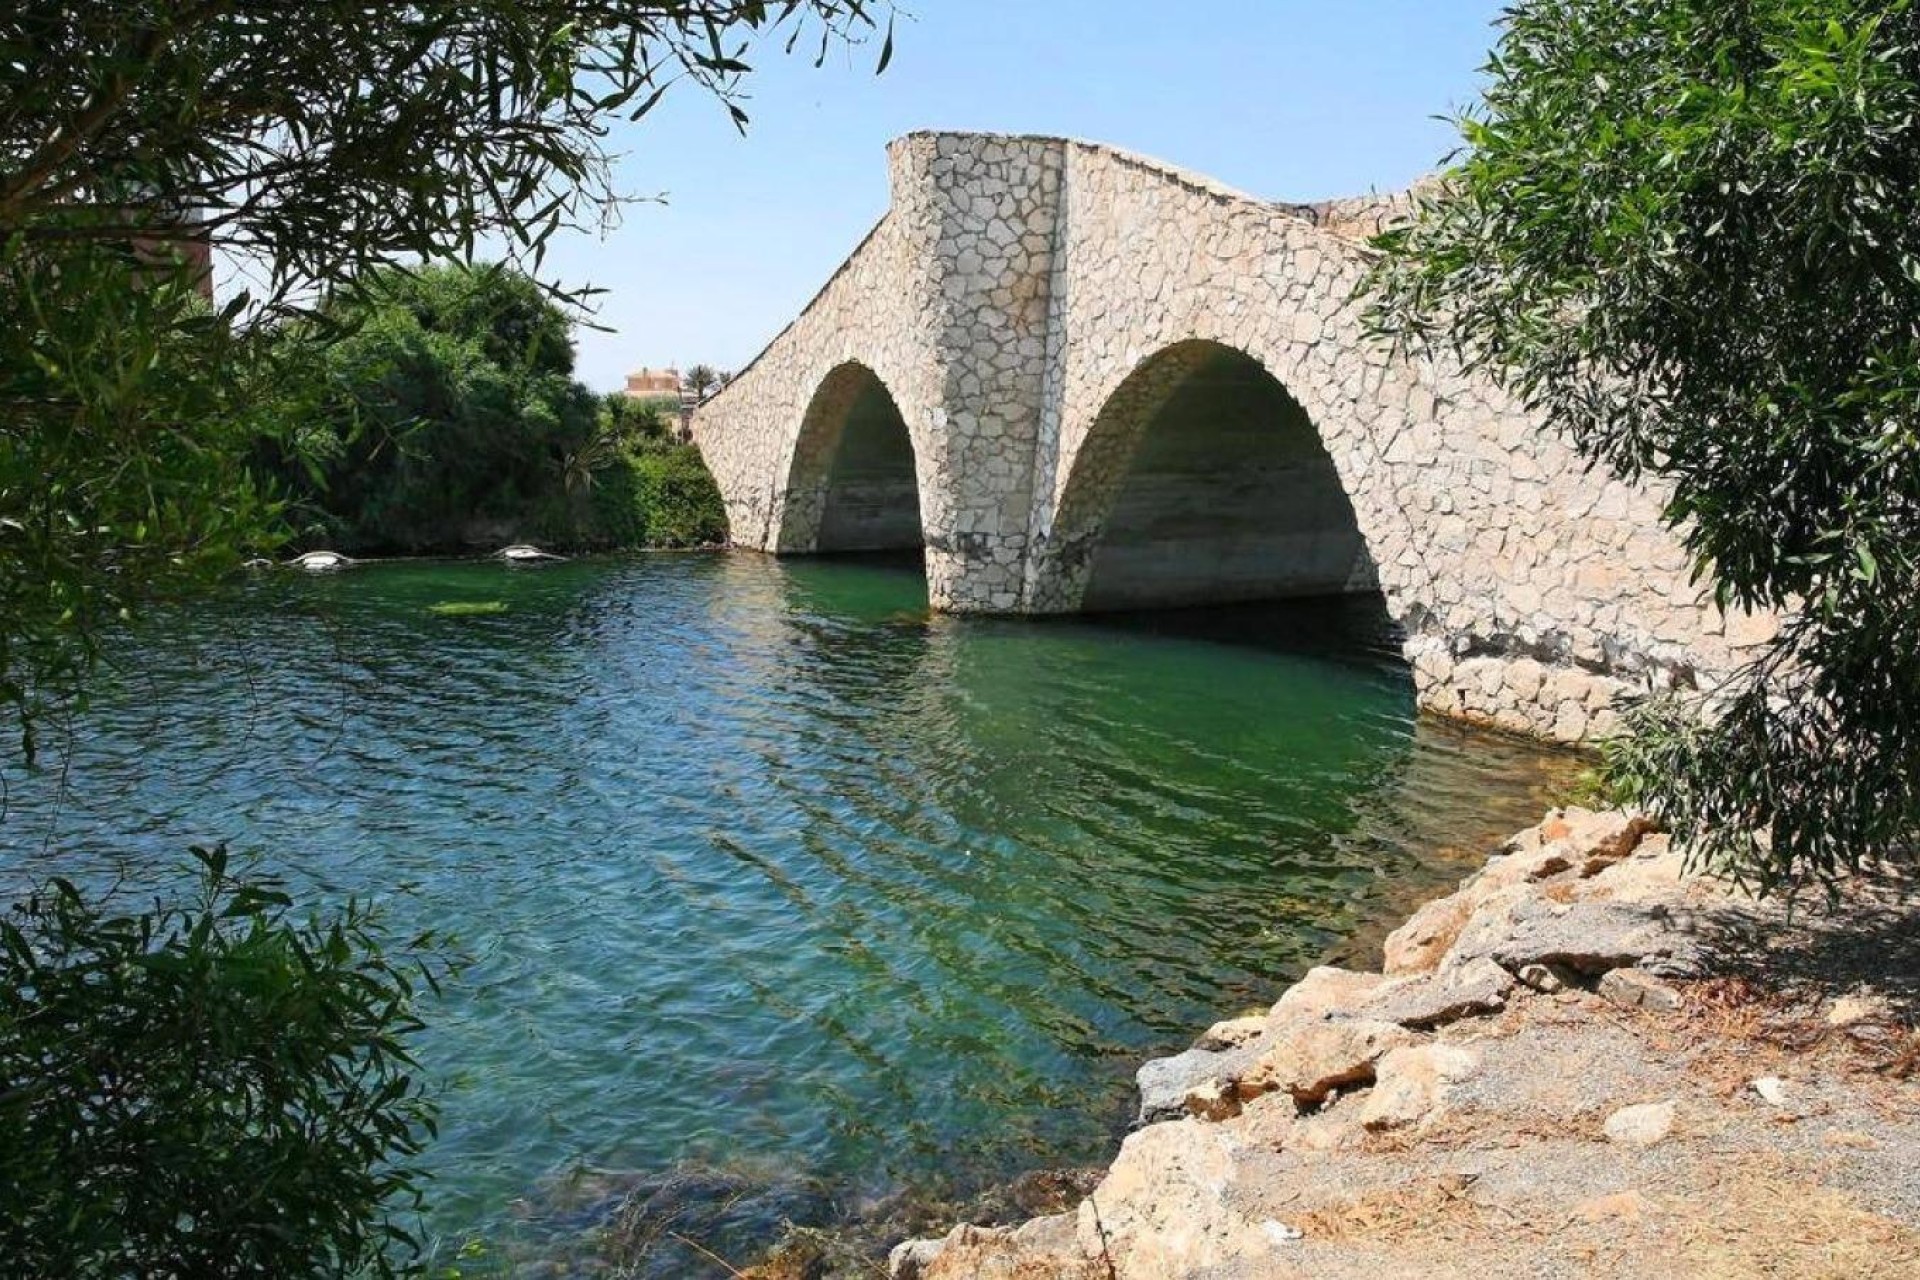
(207, 1088)
(682, 503)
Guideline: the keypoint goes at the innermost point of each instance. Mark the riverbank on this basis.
(1584, 1062)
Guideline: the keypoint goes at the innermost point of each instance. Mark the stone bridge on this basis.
(1084, 380)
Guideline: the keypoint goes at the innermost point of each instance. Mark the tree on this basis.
(632, 423)
(1683, 231)
(423, 401)
(701, 381)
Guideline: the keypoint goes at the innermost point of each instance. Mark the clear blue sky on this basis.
(1287, 99)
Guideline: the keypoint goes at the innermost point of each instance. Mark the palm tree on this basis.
(701, 381)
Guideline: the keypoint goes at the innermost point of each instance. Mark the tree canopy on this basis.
(1683, 230)
(436, 409)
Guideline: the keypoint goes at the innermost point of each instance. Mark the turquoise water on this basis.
(764, 870)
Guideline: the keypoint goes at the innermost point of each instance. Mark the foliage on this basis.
(701, 382)
(430, 400)
(321, 140)
(1684, 230)
(122, 465)
(208, 1088)
(682, 502)
(660, 496)
(635, 424)
(425, 400)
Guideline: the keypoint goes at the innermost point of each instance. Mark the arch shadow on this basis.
(853, 484)
(1203, 481)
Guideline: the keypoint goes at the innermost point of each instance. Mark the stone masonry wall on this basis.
(1030, 303)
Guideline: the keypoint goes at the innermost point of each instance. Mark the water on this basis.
(764, 869)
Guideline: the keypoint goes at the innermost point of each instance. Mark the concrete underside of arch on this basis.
(1085, 379)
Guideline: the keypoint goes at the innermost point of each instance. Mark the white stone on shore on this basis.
(1640, 1126)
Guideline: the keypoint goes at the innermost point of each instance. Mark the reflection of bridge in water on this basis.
(1084, 380)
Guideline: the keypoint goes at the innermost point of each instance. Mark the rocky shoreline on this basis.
(1583, 1062)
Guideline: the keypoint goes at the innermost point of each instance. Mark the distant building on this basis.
(654, 384)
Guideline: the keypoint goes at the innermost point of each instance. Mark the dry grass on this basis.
(1758, 1220)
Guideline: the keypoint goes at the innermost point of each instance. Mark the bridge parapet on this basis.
(1072, 340)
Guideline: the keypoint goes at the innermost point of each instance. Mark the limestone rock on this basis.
(913, 1259)
(1587, 936)
(1165, 1083)
(1232, 1033)
(1550, 979)
(1215, 1099)
(1433, 1000)
(1170, 1207)
(1852, 1010)
(1311, 1060)
(1640, 1126)
(1046, 1246)
(1326, 990)
(1419, 944)
(1595, 840)
(1412, 1083)
(1638, 989)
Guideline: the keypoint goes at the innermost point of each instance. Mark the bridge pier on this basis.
(1082, 379)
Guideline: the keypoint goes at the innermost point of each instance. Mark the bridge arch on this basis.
(853, 482)
(1201, 480)
(1003, 304)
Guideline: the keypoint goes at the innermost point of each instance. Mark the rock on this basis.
(1638, 989)
(1411, 1084)
(1588, 834)
(1773, 1090)
(1642, 1125)
(1852, 1010)
(1434, 1000)
(322, 562)
(1418, 945)
(1215, 1100)
(913, 1259)
(1589, 937)
(1232, 1033)
(1326, 989)
(1571, 839)
(1163, 1199)
(521, 553)
(1550, 979)
(1311, 1060)
(1165, 1083)
(1851, 1139)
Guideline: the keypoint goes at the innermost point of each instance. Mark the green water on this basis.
(768, 873)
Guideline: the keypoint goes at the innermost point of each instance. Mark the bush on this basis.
(662, 496)
(1683, 230)
(681, 500)
(206, 1089)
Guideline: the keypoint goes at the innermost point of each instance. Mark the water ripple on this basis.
(761, 865)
